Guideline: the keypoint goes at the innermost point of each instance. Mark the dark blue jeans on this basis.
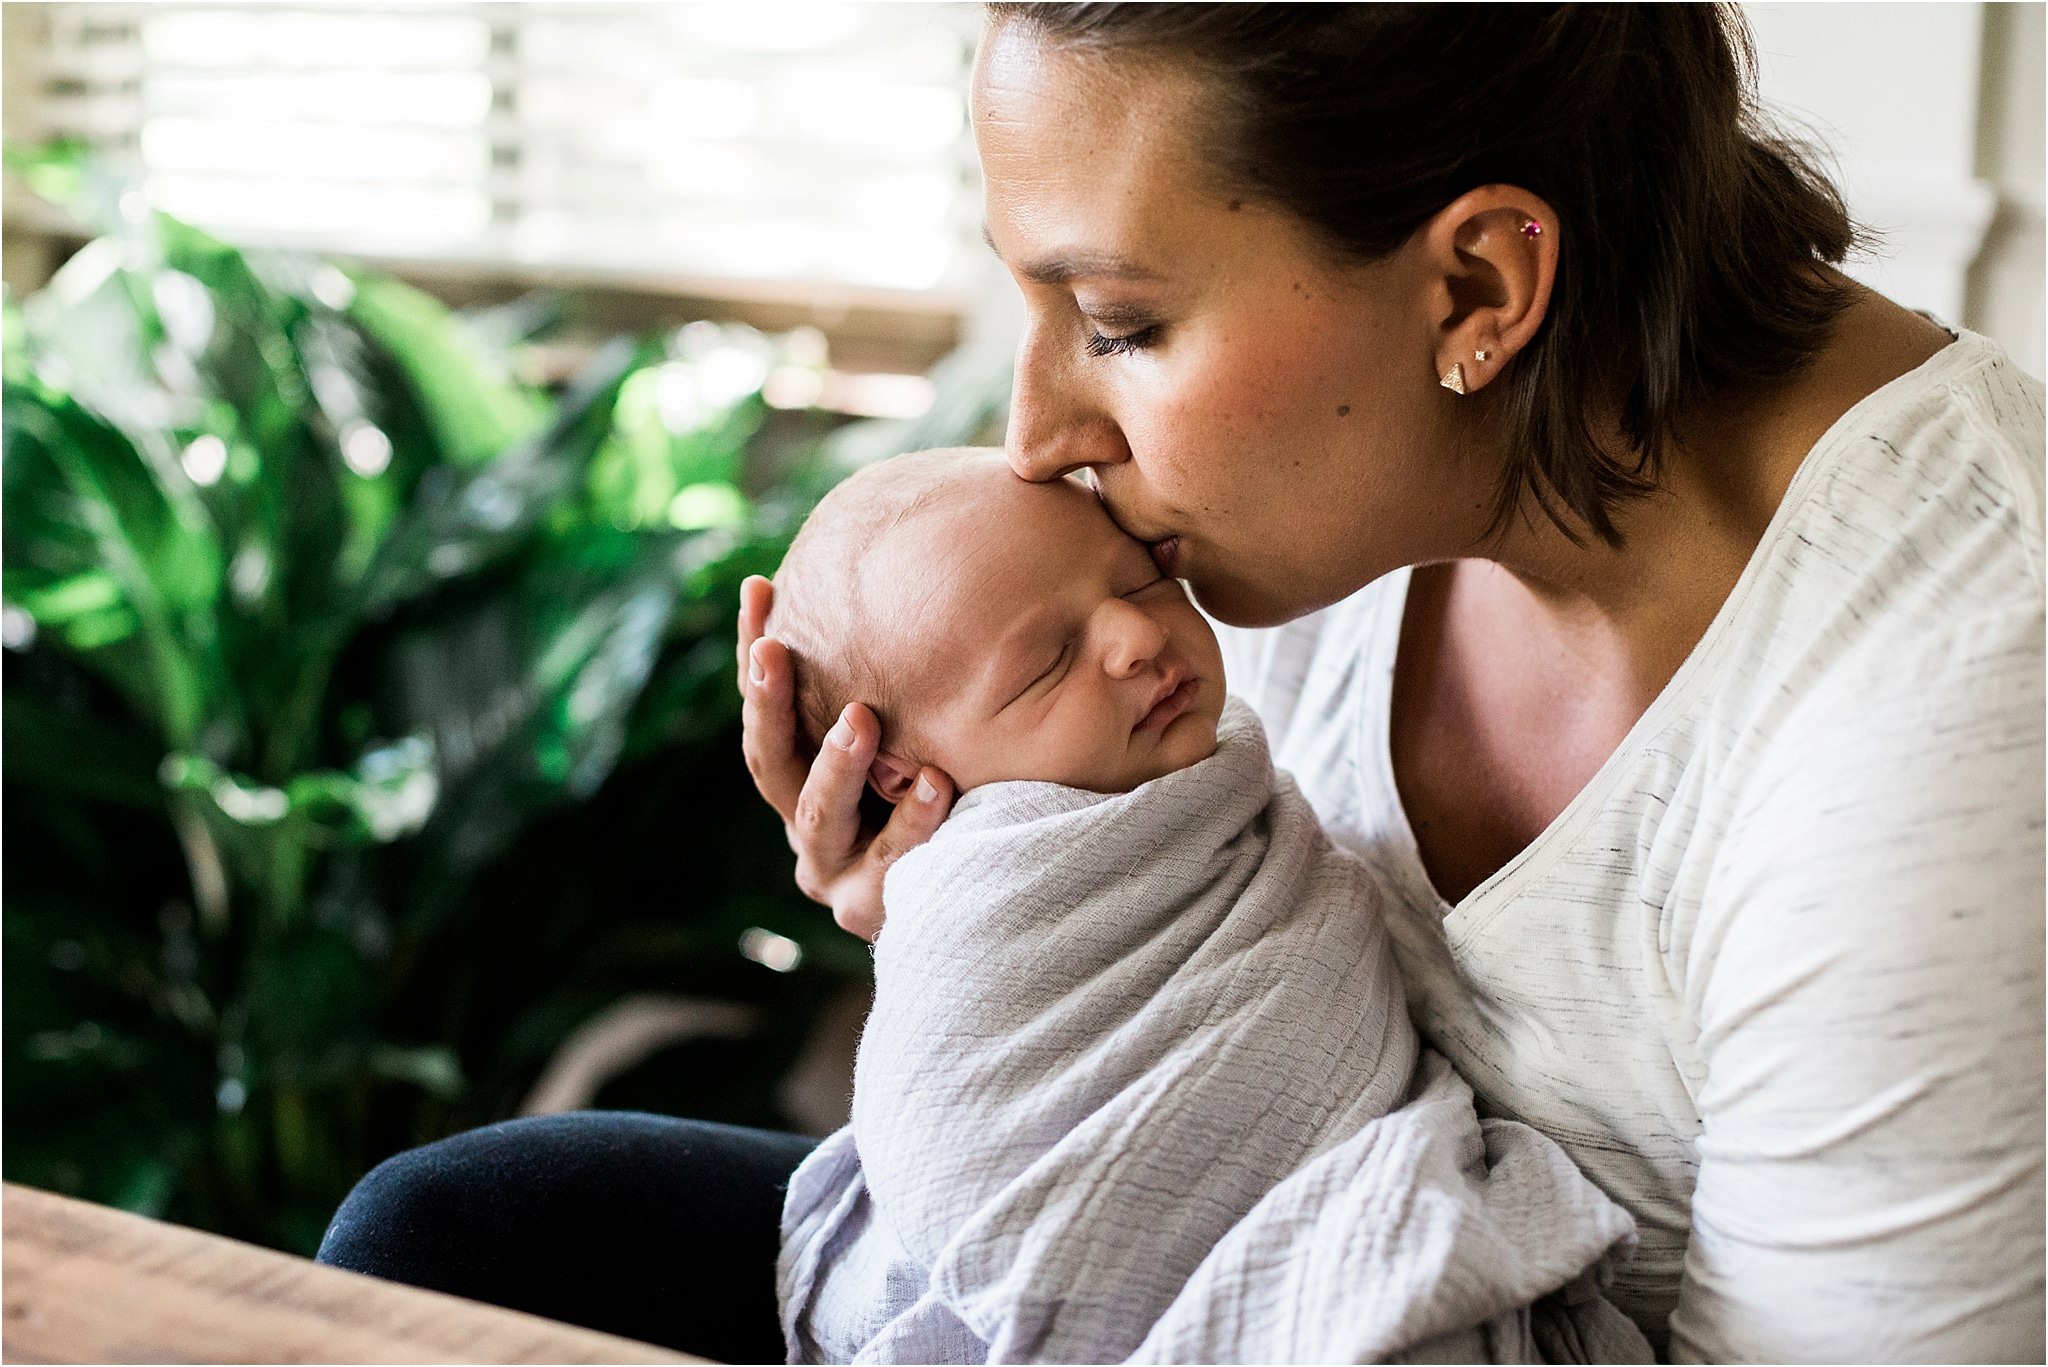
(656, 1228)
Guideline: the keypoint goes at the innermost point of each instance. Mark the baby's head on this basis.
(999, 629)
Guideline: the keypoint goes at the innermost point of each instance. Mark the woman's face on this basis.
(1266, 415)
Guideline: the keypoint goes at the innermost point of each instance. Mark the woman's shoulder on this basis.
(1889, 632)
(1929, 489)
(1917, 517)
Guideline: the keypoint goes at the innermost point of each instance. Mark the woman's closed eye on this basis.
(1123, 344)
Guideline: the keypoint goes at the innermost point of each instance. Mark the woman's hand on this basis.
(837, 862)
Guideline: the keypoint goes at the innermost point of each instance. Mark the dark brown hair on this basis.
(1691, 235)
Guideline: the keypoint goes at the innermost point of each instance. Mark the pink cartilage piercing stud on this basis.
(1532, 228)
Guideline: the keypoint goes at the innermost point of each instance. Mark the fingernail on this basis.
(925, 791)
(754, 670)
(841, 735)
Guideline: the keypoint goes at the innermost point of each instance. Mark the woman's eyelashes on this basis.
(1123, 344)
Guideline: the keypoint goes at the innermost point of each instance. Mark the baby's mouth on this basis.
(1177, 697)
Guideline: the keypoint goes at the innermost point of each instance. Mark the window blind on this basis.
(815, 146)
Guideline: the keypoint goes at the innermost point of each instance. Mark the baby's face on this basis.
(1041, 642)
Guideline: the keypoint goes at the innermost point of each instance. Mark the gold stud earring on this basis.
(1454, 379)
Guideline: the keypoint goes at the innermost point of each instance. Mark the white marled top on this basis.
(1774, 978)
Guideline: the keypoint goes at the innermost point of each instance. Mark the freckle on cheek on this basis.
(1343, 410)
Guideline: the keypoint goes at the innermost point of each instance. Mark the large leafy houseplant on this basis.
(368, 716)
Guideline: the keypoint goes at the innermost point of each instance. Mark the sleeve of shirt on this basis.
(1866, 979)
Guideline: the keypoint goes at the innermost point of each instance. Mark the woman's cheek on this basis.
(1191, 449)
(1240, 413)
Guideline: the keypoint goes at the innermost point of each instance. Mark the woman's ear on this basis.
(891, 776)
(1492, 256)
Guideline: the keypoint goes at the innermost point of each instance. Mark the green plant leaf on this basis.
(463, 521)
(476, 412)
(69, 172)
(14, 352)
(81, 499)
(528, 696)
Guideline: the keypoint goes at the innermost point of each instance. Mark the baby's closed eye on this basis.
(1052, 670)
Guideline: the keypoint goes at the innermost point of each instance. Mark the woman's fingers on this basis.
(824, 829)
(757, 596)
(820, 804)
(767, 714)
(768, 737)
(862, 916)
(857, 898)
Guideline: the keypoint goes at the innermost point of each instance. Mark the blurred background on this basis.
(396, 395)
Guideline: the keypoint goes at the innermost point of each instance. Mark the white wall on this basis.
(1933, 114)
(2004, 298)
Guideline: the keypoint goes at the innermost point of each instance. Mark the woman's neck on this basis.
(1642, 606)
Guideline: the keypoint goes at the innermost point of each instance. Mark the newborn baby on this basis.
(999, 630)
(1139, 1082)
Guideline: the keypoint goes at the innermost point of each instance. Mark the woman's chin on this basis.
(1241, 605)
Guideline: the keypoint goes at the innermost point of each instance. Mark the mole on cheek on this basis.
(1343, 410)
(1236, 204)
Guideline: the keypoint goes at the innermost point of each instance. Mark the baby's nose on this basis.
(1135, 642)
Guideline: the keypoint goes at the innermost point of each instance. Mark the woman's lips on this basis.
(1166, 555)
(1169, 707)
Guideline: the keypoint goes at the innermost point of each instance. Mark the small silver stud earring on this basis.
(1481, 355)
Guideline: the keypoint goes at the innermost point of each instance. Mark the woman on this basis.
(1657, 612)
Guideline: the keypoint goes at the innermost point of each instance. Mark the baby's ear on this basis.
(891, 776)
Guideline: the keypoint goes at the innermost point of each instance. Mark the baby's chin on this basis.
(1188, 742)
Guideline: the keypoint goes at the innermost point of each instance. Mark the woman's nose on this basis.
(1134, 639)
(1055, 425)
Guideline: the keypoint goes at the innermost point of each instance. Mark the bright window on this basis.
(699, 147)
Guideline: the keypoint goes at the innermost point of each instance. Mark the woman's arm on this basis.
(1866, 978)
(838, 863)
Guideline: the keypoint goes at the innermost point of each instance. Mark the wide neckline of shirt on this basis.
(1482, 904)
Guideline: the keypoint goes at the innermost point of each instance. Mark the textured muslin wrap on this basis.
(1139, 1083)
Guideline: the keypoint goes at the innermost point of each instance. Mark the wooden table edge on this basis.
(85, 1283)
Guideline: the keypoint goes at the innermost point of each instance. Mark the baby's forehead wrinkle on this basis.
(911, 587)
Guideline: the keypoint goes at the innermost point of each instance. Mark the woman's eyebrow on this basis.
(1058, 267)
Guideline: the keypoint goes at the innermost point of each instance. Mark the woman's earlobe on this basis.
(1495, 255)
(892, 776)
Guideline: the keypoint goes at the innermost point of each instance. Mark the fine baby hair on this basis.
(832, 611)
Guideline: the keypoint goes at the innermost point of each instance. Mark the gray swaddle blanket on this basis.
(1139, 1083)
